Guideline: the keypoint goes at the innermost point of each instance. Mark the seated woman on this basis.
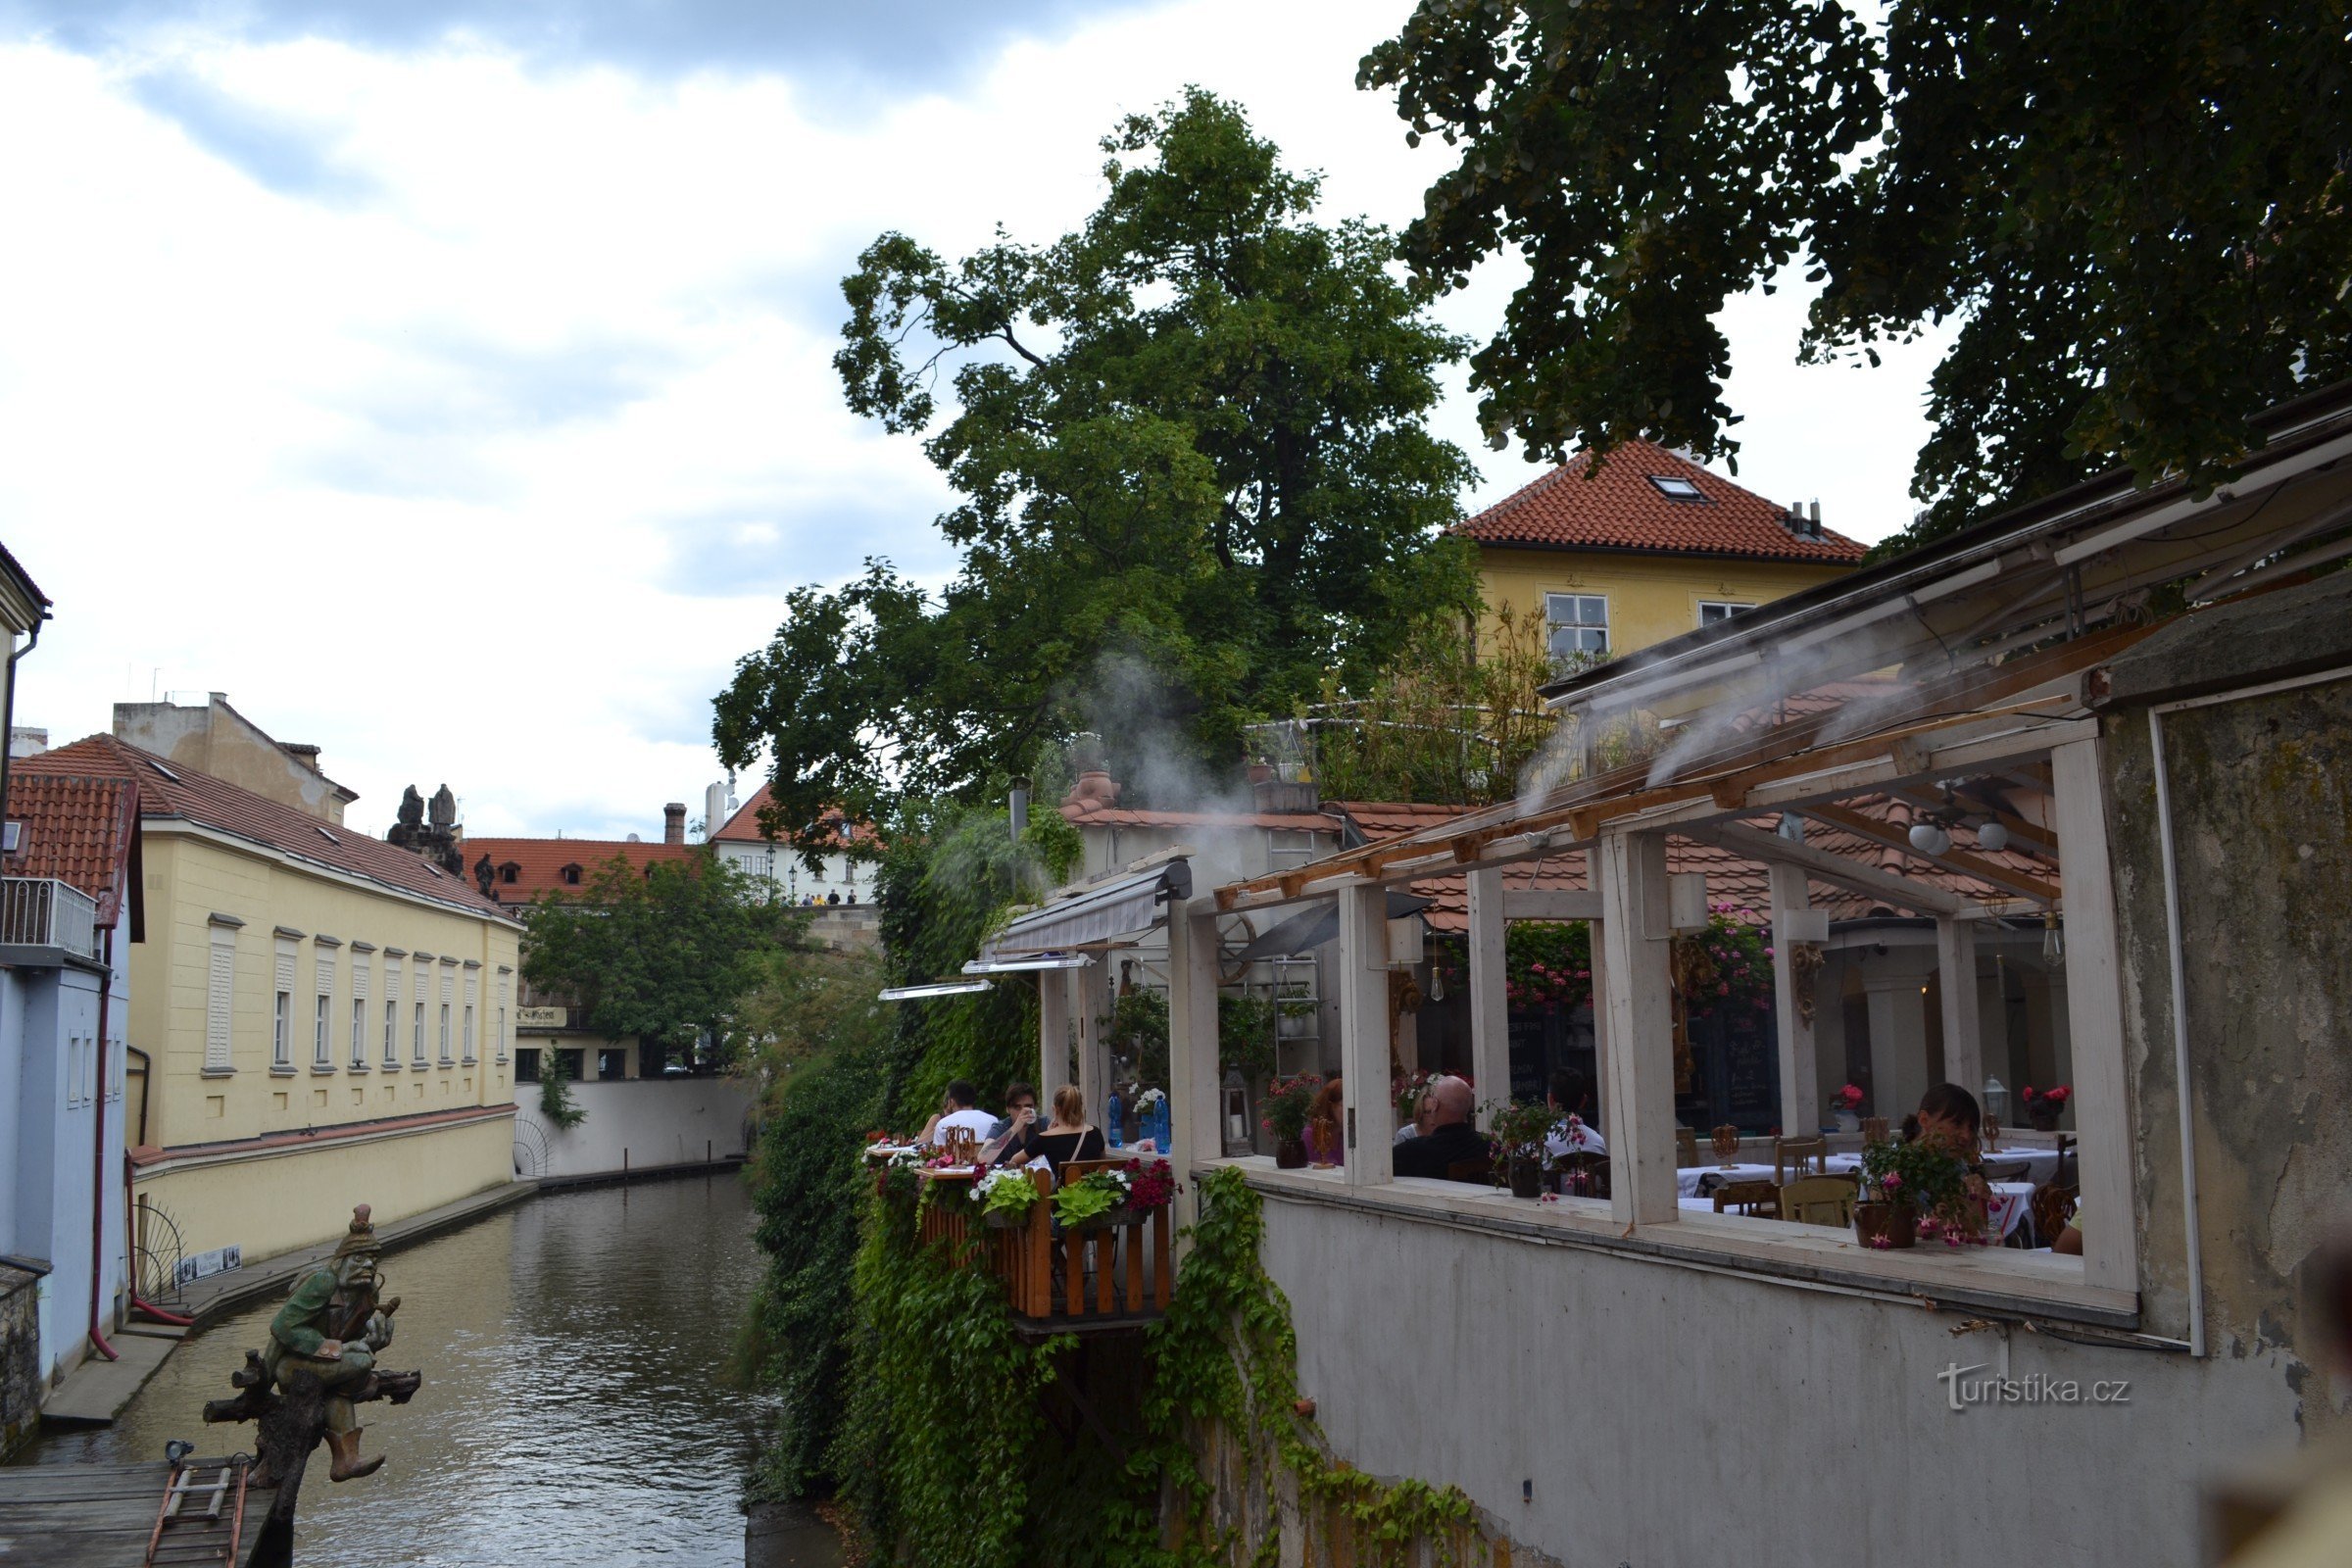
(1069, 1136)
(1948, 1117)
(1325, 1142)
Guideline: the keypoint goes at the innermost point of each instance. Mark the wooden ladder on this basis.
(189, 1523)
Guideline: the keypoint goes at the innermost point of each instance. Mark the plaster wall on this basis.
(1651, 597)
(655, 1122)
(219, 740)
(1626, 1413)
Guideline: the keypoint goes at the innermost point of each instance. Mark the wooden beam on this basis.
(2094, 1015)
(1963, 1028)
(1800, 1077)
(1362, 979)
(1769, 847)
(1640, 1039)
(1563, 905)
(1490, 1001)
(1983, 870)
(1193, 1084)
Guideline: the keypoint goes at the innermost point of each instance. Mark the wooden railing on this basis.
(1120, 1271)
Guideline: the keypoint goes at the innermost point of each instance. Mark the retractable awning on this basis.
(1115, 909)
(1315, 925)
(932, 988)
(1029, 965)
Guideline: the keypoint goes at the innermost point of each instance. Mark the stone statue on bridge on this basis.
(321, 1361)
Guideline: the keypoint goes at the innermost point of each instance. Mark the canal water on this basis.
(575, 1412)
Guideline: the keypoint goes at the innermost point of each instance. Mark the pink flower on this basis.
(1891, 1181)
(1880, 1243)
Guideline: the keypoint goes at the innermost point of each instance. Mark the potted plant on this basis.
(1900, 1182)
(1006, 1198)
(1095, 1201)
(1150, 1186)
(1845, 1109)
(2043, 1107)
(1519, 1130)
(1282, 1112)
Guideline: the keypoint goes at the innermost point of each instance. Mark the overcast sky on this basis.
(449, 383)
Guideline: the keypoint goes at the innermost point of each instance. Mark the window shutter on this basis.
(219, 986)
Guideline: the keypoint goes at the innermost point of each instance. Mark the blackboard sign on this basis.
(1532, 1036)
(1751, 1079)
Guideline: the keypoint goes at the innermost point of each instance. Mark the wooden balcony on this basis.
(1074, 1281)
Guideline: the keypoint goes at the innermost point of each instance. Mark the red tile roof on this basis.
(174, 791)
(81, 831)
(539, 863)
(744, 826)
(1087, 813)
(1617, 508)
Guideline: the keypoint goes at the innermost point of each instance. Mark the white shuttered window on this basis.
(219, 997)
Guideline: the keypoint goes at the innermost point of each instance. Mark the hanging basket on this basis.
(1006, 1219)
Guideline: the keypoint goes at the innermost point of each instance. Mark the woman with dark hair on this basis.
(1948, 1118)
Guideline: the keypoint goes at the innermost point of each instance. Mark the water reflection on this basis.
(571, 1413)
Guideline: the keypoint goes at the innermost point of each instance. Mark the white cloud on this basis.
(472, 421)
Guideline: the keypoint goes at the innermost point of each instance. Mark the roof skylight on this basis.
(1674, 487)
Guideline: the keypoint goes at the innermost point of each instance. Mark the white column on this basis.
(1053, 1034)
(1637, 1046)
(1094, 1065)
(1801, 1095)
(1490, 1001)
(1363, 998)
(2094, 1017)
(1898, 1043)
(1193, 1083)
(1963, 1024)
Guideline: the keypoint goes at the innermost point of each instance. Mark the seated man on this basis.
(959, 1111)
(1567, 1097)
(1449, 1138)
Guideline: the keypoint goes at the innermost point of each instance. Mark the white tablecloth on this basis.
(1692, 1180)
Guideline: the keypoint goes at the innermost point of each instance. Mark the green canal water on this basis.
(575, 1412)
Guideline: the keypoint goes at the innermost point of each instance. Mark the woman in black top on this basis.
(1068, 1137)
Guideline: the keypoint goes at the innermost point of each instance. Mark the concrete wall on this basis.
(1659, 1416)
(21, 1381)
(219, 740)
(655, 1122)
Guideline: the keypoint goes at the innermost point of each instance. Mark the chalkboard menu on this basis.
(1532, 1036)
(1751, 1074)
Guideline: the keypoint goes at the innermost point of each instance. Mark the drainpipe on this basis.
(8, 709)
(2172, 928)
(98, 1181)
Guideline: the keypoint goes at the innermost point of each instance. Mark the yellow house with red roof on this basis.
(1645, 546)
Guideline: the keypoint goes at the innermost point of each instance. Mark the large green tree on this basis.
(1193, 471)
(663, 954)
(2136, 214)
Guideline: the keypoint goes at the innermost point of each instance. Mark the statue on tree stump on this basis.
(319, 1362)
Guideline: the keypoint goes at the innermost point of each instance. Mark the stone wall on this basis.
(2261, 791)
(21, 1384)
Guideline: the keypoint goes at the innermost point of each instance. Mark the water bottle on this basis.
(1161, 1128)
(1116, 1130)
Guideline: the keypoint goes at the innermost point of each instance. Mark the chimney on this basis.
(674, 822)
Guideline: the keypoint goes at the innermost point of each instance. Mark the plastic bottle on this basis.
(1115, 1128)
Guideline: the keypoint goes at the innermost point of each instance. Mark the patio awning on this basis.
(1315, 925)
(1114, 909)
(932, 988)
(1032, 964)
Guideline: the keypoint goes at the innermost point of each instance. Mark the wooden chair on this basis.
(1480, 1169)
(1686, 1148)
(1762, 1199)
(2050, 1208)
(1585, 1176)
(1819, 1200)
(1875, 1131)
(1791, 1156)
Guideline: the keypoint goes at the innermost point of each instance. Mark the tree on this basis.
(1188, 441)
(2136, 214)
(665, 952)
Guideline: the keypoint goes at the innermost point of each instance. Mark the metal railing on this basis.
(40, 911)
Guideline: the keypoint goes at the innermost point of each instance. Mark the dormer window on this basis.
(570, 875)
(509, 873)
(1674, 487)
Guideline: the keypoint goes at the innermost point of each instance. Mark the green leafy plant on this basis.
(1090, 1196)
(1919, 1174)
(1285, 1106)
(1246, 1035)
(554, 1094)
(1518, 1129)
(1007, 1193)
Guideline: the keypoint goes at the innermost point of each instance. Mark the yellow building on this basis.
(318, 1018)
(1650, 547)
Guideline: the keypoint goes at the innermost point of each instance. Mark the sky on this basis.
(450, 383)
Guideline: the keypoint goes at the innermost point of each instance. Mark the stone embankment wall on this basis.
(20, 1358)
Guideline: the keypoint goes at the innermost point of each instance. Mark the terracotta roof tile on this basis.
(77, 830)
(1620, 509)
(173, 789)
(744, 826)
(539, 863)
(1089, 815)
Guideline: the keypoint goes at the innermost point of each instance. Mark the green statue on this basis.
(332, 1327)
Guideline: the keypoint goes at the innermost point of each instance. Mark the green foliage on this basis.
(1928, 1176)
(555, 1093)
(1246, 1035)
(1008, 1192)
(1193, 473)
(1285, 1106)
(827, 1081)
(1138, 1029)
(1547, 964)
(1520, 1126)
(664, 954)
(2136, 214)
(1454, 718)
(1089, 1196)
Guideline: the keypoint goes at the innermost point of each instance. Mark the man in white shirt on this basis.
(958, 1112)
(1571, 1135)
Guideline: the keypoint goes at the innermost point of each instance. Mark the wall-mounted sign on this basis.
(539, 1018)
(220, 1261)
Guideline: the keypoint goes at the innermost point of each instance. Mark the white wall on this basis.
(1669, 1416)
(657, 1121)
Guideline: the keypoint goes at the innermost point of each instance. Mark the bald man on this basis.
(1449, 1139)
